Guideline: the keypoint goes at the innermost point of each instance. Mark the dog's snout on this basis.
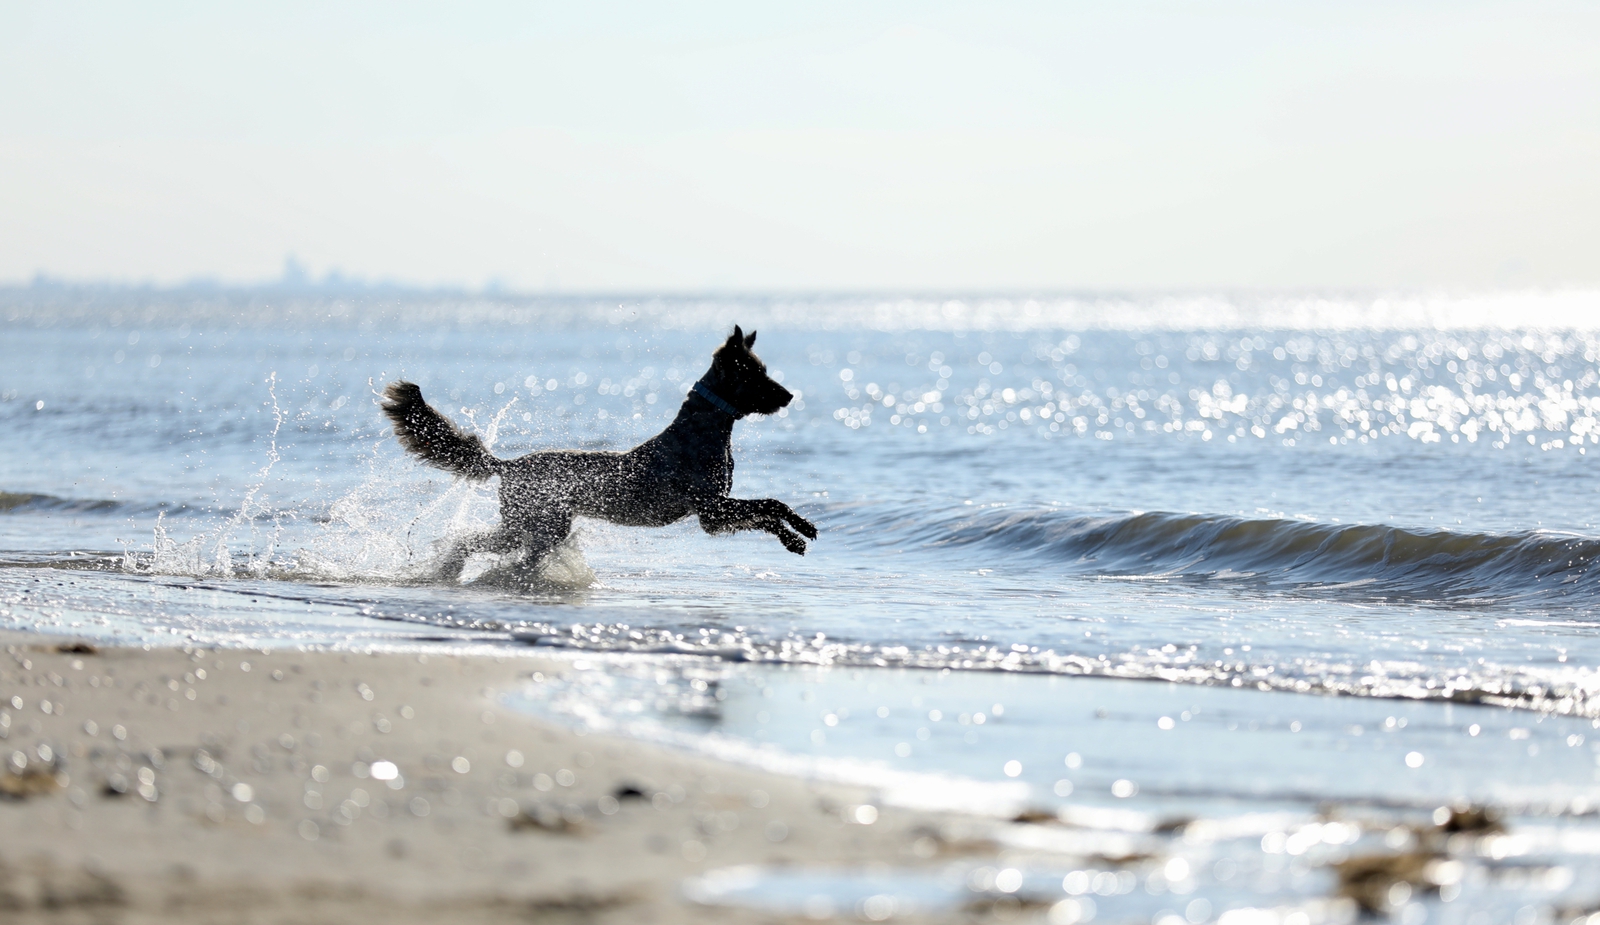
(784, 397)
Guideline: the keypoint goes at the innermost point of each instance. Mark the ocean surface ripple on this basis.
(1376, 498)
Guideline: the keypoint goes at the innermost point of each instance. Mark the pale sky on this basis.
(811, 146)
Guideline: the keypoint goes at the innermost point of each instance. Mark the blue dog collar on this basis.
(704, 391)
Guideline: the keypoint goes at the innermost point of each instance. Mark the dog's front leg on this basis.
(784, 512)
(729, 515)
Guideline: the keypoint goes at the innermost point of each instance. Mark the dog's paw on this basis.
(791, 542)
(806, 527)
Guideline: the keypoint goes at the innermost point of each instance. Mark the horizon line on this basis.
(335, 284)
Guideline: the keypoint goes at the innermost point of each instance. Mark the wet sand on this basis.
(223, 786)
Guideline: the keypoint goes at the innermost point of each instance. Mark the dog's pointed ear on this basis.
(736, 339)
(749, 341)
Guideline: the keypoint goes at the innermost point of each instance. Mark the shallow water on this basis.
(1255, 797)
(1262, 502)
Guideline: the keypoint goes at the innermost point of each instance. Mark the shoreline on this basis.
(141, 784)
(205, 785)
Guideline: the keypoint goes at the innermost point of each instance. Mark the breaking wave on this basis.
(1374, 560)
(12, 502)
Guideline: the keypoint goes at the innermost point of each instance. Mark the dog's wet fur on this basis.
(686, 469)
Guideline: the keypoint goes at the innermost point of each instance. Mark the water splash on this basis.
(208, 554)
(391, 529)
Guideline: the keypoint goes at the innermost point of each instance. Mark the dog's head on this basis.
(741, 379)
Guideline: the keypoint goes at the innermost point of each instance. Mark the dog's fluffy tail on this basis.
(432, 437)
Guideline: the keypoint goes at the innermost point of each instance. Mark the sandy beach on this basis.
(179, 786)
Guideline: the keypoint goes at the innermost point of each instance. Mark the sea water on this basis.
(1262, 566)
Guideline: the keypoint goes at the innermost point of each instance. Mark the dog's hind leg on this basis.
(455, 558)
(535, 534)
(540, 530)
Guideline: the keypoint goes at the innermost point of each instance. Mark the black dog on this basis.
(686, 469)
